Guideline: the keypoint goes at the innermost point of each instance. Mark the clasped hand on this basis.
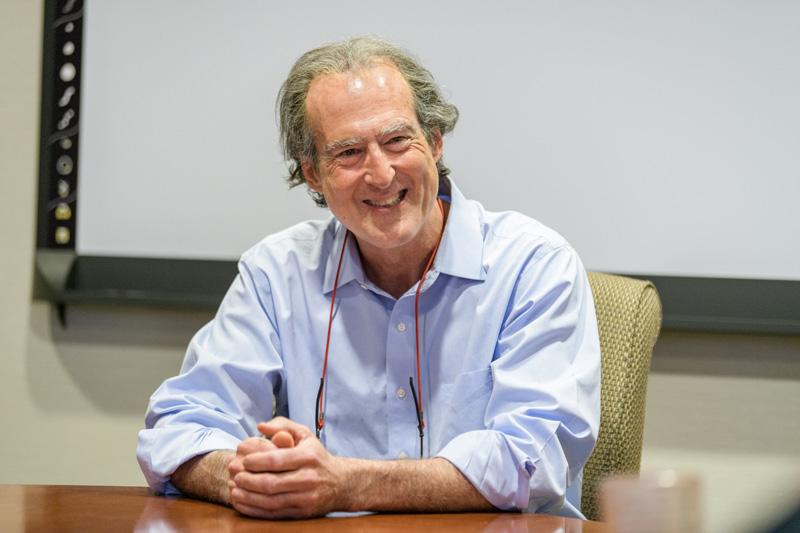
(291, 475)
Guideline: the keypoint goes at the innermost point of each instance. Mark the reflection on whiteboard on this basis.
(657, 137)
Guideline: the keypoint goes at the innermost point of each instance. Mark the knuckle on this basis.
(267, 484)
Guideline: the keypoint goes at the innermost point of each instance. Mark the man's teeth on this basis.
(389, 201)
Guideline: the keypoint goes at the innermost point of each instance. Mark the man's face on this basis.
(376, 169)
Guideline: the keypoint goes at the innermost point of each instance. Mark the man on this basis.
(487, 369)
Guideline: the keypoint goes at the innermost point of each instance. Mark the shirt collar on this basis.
(351, 268)
(460, 252)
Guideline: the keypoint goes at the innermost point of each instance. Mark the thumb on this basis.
(280, 424)
(283, 439)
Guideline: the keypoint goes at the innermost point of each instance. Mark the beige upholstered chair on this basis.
(629, 319)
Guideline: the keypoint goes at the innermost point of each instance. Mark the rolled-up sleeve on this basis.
(543, 412)
(218, 398)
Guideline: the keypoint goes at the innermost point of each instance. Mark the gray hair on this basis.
(297, 141)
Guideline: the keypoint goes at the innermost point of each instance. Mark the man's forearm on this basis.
(205, 476)
(426, 485)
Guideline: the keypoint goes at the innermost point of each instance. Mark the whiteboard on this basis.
(658, 137)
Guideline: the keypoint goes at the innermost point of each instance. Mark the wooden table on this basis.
(62, 508)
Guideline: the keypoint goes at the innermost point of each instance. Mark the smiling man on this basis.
(423, 353)
(376, 170)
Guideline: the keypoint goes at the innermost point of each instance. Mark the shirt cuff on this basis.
(486, 460)
(162, 450)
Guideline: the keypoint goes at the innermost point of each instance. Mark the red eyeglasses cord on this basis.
(320, 422)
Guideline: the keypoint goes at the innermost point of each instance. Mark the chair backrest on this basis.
(629, 321)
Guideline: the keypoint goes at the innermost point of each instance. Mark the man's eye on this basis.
(398, 143)
(348, 153)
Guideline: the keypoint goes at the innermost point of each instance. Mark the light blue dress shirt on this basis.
(509, 355)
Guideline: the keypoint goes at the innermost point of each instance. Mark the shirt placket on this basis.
(400, 366)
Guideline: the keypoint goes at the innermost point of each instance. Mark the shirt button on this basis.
(401, 327)
(363, 286)
(401, 393)
(402, 455)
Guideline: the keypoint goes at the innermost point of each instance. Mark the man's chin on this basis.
(386, 240)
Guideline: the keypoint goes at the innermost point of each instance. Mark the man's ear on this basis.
(312, 176)
(436, 144)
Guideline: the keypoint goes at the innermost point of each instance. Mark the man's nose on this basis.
(379, 170)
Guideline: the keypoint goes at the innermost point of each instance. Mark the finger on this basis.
(283, 439)
(254, 445)
(269, 514)
(235, 466)
(277, 424)
(281, 505)
(308, 454)
(246, 448)
(276, 460)
(274, 483)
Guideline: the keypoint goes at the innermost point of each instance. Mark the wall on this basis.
(725, 407)
(73, 398)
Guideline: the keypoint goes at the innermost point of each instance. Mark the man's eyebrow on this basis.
(389, 129)
(341, 144)
(397, 127)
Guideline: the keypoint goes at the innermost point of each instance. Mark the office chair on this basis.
(629, 321)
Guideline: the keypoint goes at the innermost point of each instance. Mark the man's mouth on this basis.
(396, 199)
